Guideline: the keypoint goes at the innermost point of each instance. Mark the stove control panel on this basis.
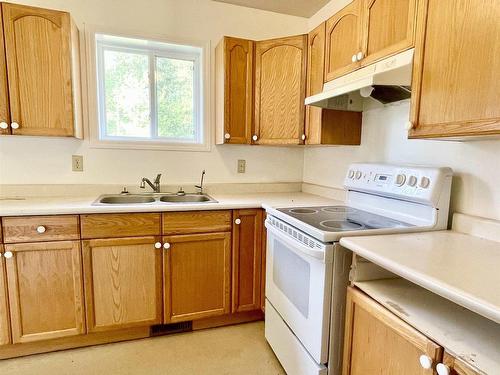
(413, 183)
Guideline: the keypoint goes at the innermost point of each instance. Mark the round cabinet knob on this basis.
(4, 125)
(442, 369)
(409, 125)
(358, 175)
(166, 245)
(41, 229)
(425, 182)
(303, 137)
(8, 254)
(354, 58)
(400, 179)
(14, 125)
(237, 221)
(255, 137)
(157, 245)
(360, 56)
(412, 181)
(227, 136)
(425, 361)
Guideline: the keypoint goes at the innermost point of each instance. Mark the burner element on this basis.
(303, 211)
(338, 209)
(341, 225)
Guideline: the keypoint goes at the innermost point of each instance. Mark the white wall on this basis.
(32, 160)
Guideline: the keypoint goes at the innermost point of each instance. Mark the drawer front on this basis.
(196, 222)
(40, 228)
(119, 225)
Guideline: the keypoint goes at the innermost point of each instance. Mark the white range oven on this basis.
(307, 271)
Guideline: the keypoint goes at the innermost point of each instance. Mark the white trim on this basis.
(202, 112)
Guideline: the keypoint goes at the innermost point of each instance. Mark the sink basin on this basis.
(188, 198)
(126, 199)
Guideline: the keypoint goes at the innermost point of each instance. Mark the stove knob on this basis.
(425, 182)
(358, 175)
(351, 174)
(412, 181)
(400, 179)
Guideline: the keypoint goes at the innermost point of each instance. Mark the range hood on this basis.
(386, 81)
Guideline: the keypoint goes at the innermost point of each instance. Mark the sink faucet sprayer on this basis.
(200, 186)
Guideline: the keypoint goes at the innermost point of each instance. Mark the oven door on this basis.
(298, 285)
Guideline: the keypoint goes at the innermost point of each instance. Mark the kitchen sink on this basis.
(158, 198)
(188, 198)
(126, 199)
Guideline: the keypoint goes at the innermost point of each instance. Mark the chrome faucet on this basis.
(155, 186)
(200, 186)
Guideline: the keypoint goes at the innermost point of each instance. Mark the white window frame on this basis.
(152, 46)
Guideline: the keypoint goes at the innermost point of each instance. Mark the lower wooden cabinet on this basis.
(123, 282)
(247, 260)
(197, 270)
(378, 342)
(4, 307)
(456, 366)
(45, 290)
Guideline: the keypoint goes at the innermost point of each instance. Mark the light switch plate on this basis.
(77, 163)
(241, 166)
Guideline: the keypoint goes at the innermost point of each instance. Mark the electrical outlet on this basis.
(241, 166)
(77, 163)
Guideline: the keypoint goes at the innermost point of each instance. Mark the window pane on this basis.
(175, 98)
(126, 82)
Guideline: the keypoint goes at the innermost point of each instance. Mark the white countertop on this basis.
(84, 205)
(456, 266)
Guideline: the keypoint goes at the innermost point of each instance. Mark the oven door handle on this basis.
(296, 246)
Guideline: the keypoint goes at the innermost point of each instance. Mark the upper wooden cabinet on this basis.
(280, 80)
(45, 290)
(4, 307)
(456, 83)
(41, 48)
(4, 90)
(326, 126)
(388, 28)
(234, 85)
(343, 40)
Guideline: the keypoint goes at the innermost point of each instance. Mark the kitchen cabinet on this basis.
(45, 290)
(234, 86)
(280, 80)
(42, 55)
(4, 90)
(454, 366)
(123, 282)
(263, 264)
(378, 342)
(247, 260)
(4, 307)
(197, 270)
(343, 41)
(120, 225)
(326, 126)
(388, 28)
(455, 88)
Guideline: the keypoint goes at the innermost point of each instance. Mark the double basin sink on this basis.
(118, 199)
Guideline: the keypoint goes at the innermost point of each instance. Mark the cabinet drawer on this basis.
(40, 228)
(196, 222)
(119, 225)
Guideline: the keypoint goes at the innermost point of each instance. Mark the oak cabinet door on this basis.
(197, 270)
(456, 79)
(388, 28)
(123, 282)
(343, 41)
(4, 307)
(378, 342)
(4, 91)
(45, 290)
(280, 81)
(456, 366)
(247, 260)
(39, 70)
(234, 65)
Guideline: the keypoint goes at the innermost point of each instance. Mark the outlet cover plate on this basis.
(77, 163)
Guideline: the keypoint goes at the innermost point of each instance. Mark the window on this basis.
(149, 91)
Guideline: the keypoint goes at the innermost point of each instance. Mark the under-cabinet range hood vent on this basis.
(386, 81)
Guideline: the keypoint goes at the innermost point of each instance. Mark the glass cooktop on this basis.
(341, 218)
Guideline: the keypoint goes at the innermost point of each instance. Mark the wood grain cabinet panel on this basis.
(42, 70)
(378, 342)
(280, 80)
(190, 222)
(45, 290)
(119, 225)
(263, 264)
(197, 271)
(41, 228)
(456, 366)
(388, 28)
(4, 306)
(123, 283)
(234, 85)
(4, 90)
(343, 40)
(456, 81)
(247, 260)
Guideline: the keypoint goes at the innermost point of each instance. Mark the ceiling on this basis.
(301, 8)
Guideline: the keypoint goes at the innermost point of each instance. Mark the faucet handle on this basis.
(158, 177)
